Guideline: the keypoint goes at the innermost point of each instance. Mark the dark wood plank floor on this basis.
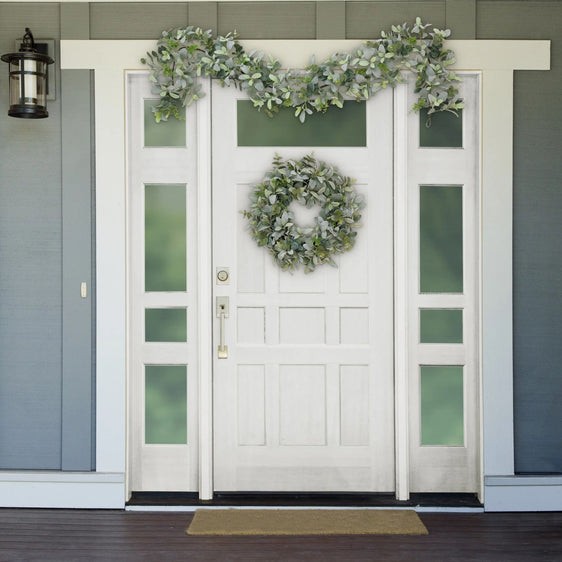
(61, 535)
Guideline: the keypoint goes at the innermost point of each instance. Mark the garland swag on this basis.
(184, 54)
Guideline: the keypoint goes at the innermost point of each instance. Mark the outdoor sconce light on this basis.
(28, 80)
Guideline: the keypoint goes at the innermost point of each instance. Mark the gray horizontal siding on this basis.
(75, 20)
(366, 20)
(537, 233)
(330, 20)
(135, 21)
(30, 265)
(204, 14)
(266, 20)
(461, 18)
(77, 395)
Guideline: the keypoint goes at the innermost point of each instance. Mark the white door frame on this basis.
(496, 59)
(402, 267)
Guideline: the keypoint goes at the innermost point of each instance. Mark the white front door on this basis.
(304, 399)
(352, 378)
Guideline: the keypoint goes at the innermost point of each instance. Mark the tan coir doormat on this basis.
(306, 522)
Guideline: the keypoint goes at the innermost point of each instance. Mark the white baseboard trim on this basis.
(70, 490)
(523, 493)
(94, 490)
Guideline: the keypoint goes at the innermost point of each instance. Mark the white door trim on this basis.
(496, 59)
(205, 293)
(401, 355)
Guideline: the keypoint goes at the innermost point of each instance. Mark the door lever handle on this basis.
(222, 314)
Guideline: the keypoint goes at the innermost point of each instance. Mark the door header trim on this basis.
(470, 55)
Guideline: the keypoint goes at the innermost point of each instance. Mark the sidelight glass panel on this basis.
(165, 238)
(165, 133)
(440, 326)
(166, 404)
(441, 259)
(165, 324)
(255, 128)
(440, 130)
(442, 419)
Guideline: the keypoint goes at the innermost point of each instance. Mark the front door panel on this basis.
(304, 400)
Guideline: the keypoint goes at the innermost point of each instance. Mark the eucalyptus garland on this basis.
(184, 54)
(311, 183)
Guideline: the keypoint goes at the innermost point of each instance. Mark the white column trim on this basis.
(110, 271)
(205, 296)
(497, 59)
(497, 276)
(401, 352)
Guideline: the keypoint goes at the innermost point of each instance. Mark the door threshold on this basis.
(185, 501)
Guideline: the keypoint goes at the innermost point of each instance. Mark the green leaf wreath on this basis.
(309, 182)
(184, 54)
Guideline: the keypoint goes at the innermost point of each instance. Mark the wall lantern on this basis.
(28, 80)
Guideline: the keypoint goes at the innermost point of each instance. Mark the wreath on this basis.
(309, 182)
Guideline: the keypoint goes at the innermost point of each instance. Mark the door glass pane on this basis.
(441, 260)
(440, 326)
(165, 324)
(442, 418)
(165, 133)
(165, 243)
(255, 128)
(166, 404)
(440, 130)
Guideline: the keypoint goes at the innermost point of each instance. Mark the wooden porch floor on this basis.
(61, 535)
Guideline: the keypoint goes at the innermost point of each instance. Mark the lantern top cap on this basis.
(28, 44)
(27, 51)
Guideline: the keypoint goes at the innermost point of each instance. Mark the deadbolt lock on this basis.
(223, 276)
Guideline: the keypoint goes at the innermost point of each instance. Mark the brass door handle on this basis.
(222, 314)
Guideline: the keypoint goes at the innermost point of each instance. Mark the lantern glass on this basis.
(28, 96)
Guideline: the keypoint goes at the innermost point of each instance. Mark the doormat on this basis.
(306, 522)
